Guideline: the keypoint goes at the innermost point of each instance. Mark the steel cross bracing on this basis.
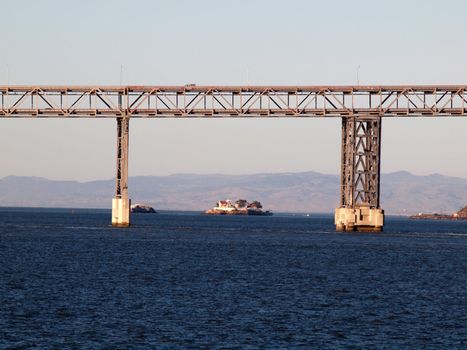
(360, 164)
(232, 101)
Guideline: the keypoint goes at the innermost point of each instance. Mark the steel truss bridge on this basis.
(360, 107)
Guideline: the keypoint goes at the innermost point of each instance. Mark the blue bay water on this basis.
(183, 280)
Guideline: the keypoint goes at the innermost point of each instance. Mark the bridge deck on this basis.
(232, 101)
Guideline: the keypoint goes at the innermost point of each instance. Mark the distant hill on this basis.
(402, 192)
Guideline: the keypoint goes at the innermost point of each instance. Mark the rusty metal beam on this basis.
(232, 101)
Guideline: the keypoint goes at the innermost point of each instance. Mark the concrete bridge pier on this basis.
(121, 203)
(360, 175)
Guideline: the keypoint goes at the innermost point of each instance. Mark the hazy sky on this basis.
(229, 42)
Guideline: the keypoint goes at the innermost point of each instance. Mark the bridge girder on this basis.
(235, 101)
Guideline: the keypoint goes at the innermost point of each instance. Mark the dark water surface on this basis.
(68, 280)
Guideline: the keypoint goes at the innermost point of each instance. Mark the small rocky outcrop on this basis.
(241, 207)
(142, 208)
(460, 215)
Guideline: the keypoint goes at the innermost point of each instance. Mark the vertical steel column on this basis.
(121, 202)
(360, 173)
(121, 190)
(347, 162)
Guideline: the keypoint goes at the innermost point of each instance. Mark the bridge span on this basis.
(360, 107)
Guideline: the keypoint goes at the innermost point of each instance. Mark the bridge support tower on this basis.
(360, 175)
(121, 203)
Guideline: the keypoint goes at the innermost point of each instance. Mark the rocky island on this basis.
(460, 215)
(142, 208)
(240, 207)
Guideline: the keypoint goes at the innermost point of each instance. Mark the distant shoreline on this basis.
(180, 212)
(459, 215)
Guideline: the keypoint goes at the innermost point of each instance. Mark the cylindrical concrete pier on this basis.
(359, 219)
(121, 202)
(121, 212)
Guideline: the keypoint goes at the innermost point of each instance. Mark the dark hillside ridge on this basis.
(402, 193)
